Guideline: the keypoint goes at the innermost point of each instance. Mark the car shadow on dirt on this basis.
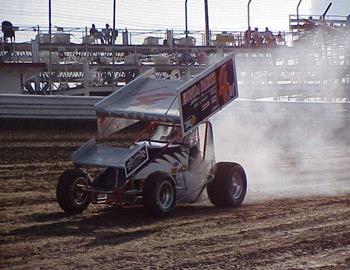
(107, 226)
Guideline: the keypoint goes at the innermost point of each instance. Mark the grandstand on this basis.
(307, 64)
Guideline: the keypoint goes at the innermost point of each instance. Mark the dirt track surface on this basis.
(299, 233)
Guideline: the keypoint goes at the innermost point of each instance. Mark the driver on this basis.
(175, 136)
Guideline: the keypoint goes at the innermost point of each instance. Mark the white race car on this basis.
(171, 161)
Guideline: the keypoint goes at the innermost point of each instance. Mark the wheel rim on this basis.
(78, 194)
(237, 186)
(165, 195)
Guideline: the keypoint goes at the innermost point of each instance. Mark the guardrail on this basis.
(82, 108)
(48, 107)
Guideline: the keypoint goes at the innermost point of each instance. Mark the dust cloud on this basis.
(296, 148)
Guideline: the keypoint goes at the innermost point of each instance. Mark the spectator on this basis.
(106, 35)
(268, 37)
(248, 37)
(8, 31)
(95, 34)
(93, 30)
(257, 38)
(309, 25)
(279, 38)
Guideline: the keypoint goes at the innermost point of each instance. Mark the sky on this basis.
(224, 15)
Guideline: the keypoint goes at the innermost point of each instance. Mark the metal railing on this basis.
(126, 36)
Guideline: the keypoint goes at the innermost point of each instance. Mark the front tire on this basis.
(229, 186)
(70, 193)
(159, 194)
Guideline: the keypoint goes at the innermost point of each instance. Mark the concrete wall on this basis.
(10, 83)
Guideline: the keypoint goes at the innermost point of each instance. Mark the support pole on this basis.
(207, 37)
(325, 12)
(114, 33)
(186, 21)
(186, 57)
(50, 50)
(298, 10)
(324, 33)
(114, 14)
(248, 9)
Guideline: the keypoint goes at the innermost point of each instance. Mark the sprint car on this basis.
(171, 161)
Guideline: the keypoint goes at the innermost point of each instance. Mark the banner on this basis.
(212, 90)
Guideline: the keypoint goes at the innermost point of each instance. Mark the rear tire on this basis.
(70, 194)
(229, 186)
(159, 194)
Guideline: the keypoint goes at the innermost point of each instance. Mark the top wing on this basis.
(145, 98)
(172, 101)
